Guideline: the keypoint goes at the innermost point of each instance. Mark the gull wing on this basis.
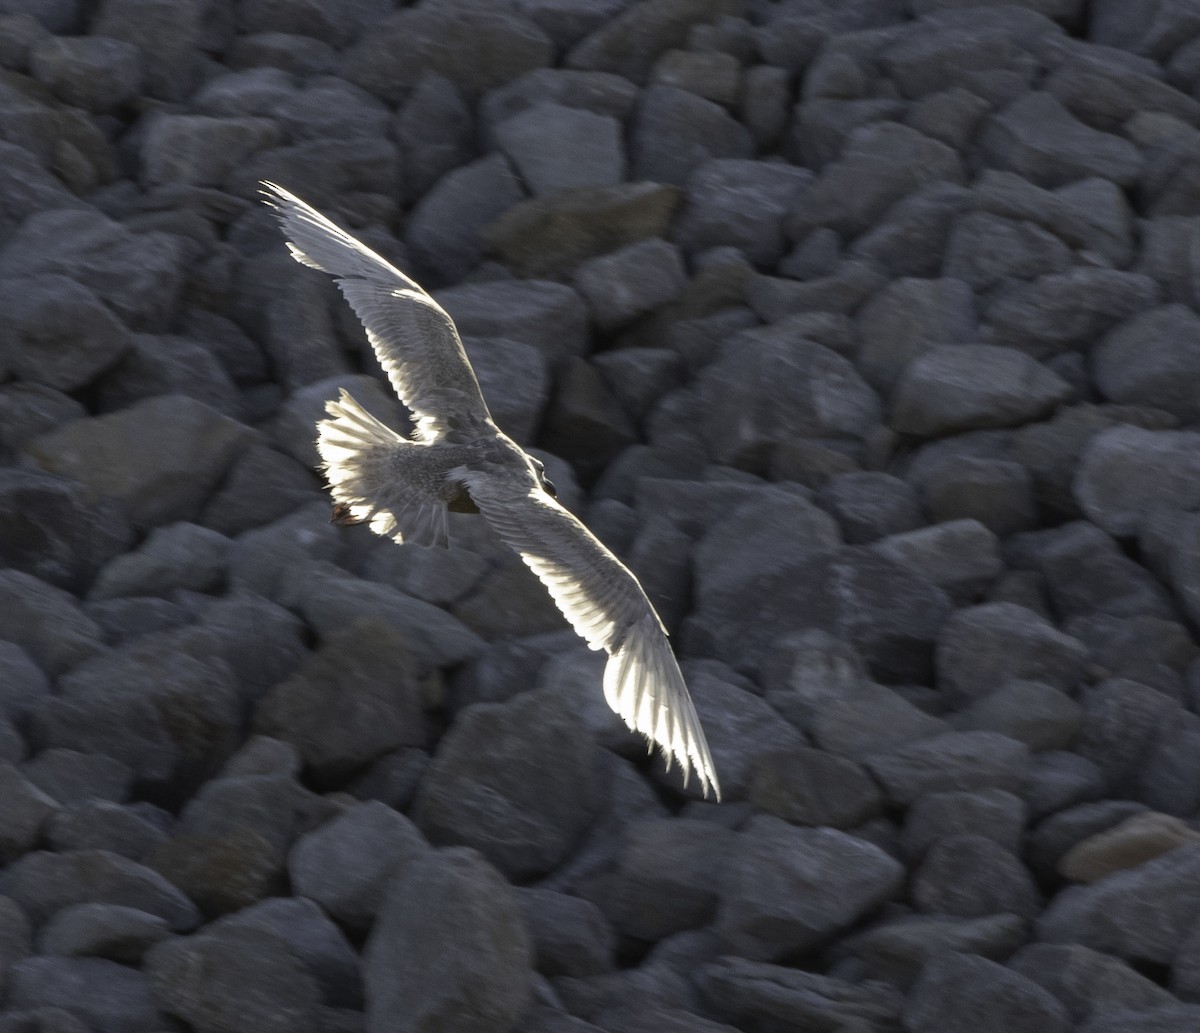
(607, 607)
(414, 338)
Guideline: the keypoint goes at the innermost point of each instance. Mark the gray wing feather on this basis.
(414, 338)
(602, 599)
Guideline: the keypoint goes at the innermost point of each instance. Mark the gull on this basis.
(459, 460)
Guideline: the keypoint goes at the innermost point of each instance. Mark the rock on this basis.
(602, 93)
(759, 995)
(415, 971)
(570, 936)
(121, 934)
(898, 949)
(952, 760)
(139, 275)
(811, 787)
(952, 388)
(1059, 311)
(1120, 719)
(44, 883)
(986, 251)
(1036, 137)
(1126, 472)
(649, 901)
(24, 810)
(46, 622)
(983, 647)
(630, 43)
(911, 239)
(345, 864)
(962, 557)
(631, 282)
(514, 380)
(108, 997)
(167, 37)
(354, 700)
(162, 364)
(712, 74)
(104, 825)
(869, 505)
(554, 147)
(971, 876)
(156, 461)
(991, 813)
(517, 780)
(57, 332)
(234, 976)
(200, 150)
(262, 485)
(765, 388)
(548, 315)
(791, 889)
(434, 127)
(493, 48)
(1143, 912)
(72, 777)
(179, 556)
(30, 410)
(1132, 842)
(674, 132)
(739, 203)
(1166, 256)
(1169, 1018)
(445, 229)
(312, 937)
(1087, 982)
(997, 493)
(1032, 712)
(962, 993)
(1152, 359)
(550, 236)
(26, 687)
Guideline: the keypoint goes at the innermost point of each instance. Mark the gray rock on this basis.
(821, 126)
(71, 777)
(446, 226)
(57, 332)
(1064, 310)
(1032, 712)
(570, 936)
(1142, 913)
(993, 813)
(108, 997)
(299, 54)
(739, 203)
(24, 810)
(952, 388)
(812, 787)
(30, 410)
(338, 24)
(105, 825)
(345, 864)
(983, 647)
(869, 505)
(897, 950)
(206, 981)
(986, 250)
(906, 318)
(952, 760)
(46, 622)
(517, 780)
(415, 970)
(1058, 779)
(354, 700)
(997, 493)
(962, 557)
(1139, 838)
(881, 163)
(548, 315)
(1087, 982)
(434, 127)
(847, 287)
(491, 48)
(554, 147)
(200, 150)
(674, 132)
(26, 686)
(910, 241)
(121, 934)
(162, 364)
(178, 556)
(167, 37)
(1038, 138)
(1126, 472)
(764, 996)
(550, 236)
(1120, 718)
(312, 937)
(262, 485)
(792, 889)
(44, 883)
(710, 74)
(603, 93)
(156, 460)
(1169, 1018)
(139, 275)
(630, 43)
(766, 388)
(951, 116)
(631, 282)
(764, 103)
(963, 993)
(971, 876)
(16, 936)
(1167, 256)
(1060, 832)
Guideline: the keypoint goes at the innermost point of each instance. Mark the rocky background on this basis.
(865, 330)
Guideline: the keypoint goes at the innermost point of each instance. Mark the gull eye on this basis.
(548, 485)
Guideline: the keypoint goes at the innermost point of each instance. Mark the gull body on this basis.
(458, 459)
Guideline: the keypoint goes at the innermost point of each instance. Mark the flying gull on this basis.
(458, 459)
